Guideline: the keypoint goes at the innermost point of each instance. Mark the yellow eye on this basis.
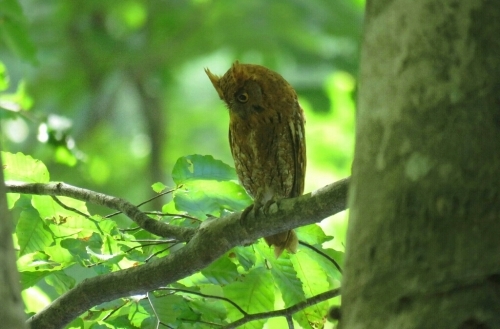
(242, 98)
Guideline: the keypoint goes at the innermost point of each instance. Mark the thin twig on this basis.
(163, 214)
(208, 296)
(333, 261)
(59, 202)
(144, 202)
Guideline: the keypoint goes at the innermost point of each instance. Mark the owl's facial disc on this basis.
(248, 100)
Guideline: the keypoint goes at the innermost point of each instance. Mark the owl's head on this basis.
(249, 89)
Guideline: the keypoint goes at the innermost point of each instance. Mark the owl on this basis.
(266, 136)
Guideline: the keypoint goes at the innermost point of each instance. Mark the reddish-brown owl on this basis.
(266, 135)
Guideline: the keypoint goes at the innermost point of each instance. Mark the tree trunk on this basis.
(423, 248)
(12, 310)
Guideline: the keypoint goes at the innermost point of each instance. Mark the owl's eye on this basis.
(242, 98)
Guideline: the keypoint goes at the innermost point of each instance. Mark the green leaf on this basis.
(201, 167)
(221, 272)
(312, 234)
(325, 263)
(76, 324)
(315, 281)
(14, 30)
(4, 77)
(30, 278)
(169, 309)
(60, 281)
(24, 168)
(32, 233)
(60, 255)
(202, 197)
(12, 199)
(284, 275)
(76, 247)
(211, 310)
(254, 294)
(246, 256)
(159, 187)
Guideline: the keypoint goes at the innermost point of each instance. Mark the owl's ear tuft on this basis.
(238, 71)
(215, 81)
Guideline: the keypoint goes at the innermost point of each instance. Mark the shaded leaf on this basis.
(201, 167)
(254, 294)
(202, 197)
(60, 281)
(32, 233)
(14, 30)
(221, 272)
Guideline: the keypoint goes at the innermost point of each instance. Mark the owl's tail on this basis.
(281, 241)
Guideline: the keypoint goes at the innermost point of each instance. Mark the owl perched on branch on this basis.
(266, 135)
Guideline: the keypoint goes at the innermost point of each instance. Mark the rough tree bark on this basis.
(423, 242)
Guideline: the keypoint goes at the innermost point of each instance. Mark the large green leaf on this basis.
(221, 272)
(202, 197)
(60, 281)
(315, 281)
(32, 233)
(211, 310)
(35, 266)
(246, 256)
(14, 30)
(201, 167)
(254, 294)
(171, 309)
(24, 168)
(312, 234)
(284, 275)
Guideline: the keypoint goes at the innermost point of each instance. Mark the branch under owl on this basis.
(210, 241)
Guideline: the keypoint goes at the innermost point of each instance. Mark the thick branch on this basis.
(62, 189)
(214, 238)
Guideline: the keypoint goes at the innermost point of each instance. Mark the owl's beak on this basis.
(215, 81)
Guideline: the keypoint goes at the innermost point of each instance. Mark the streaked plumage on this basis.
(266, 135)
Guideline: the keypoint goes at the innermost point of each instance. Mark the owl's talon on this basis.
(267, 205)
(245, 213)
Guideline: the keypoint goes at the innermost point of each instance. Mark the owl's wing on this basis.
(296, 126)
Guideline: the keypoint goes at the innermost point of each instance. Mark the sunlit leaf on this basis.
(4, 77)
(20, 167)
(315, 281)
(312, 234)
(158, 187)
(60, 255)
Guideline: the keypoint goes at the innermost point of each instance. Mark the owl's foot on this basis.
(245, 213)
(255, 208)
(266, 206)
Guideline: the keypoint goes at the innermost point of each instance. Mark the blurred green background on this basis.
(114, 92)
